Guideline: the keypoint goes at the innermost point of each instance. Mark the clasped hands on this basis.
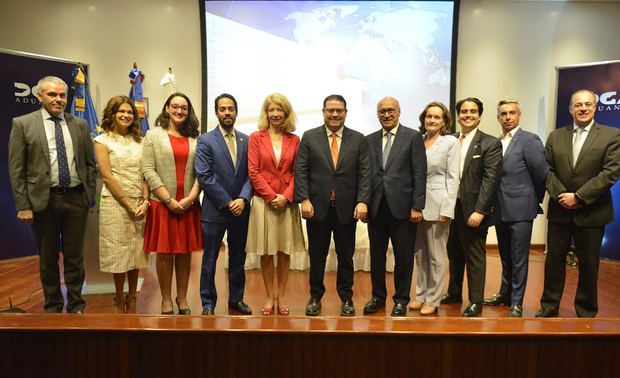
(179, 207)
(569, 201)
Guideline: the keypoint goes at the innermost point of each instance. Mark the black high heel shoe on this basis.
(171, 312)
(183, 311)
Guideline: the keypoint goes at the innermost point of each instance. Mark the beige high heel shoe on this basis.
(130, 303)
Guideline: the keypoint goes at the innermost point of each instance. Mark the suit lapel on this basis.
(324, 143)
(434, 148)
(592, 134)
(222, 143)
(240, 146)
(40, 131)
(474, 147)
(286, 143)
(344, 146)
(397, 142)
(513, 142)
(73, 131)
(566, 142)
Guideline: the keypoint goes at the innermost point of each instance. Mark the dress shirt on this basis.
(338, 136)
(384, 139)
(506, 138)
(50, 134)
(584, 135)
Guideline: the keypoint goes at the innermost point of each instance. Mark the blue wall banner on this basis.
(602, 78)
(19, 74)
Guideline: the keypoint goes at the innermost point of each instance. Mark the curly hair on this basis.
(283, 102)
(108, 123)
(190, 127)
(447, 118)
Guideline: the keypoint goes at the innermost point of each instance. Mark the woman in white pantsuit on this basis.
(442, 182)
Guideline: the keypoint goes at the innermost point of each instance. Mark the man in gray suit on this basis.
(521, 190)
(332, 182)
(584, 162)
(52, 171)
(480, 171)
(398, 163)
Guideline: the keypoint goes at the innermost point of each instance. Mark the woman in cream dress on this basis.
(275, 223)
(124, 199)
(442, 182)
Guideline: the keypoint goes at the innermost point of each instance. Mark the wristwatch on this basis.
(168, 200)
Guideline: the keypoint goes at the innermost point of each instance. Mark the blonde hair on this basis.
(289, 114)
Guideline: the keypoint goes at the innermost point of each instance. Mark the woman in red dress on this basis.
(173, 221)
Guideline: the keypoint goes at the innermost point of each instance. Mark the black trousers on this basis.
(61, 227)
(319, 237)
(466, 245)
(402, 233)
(587, 248)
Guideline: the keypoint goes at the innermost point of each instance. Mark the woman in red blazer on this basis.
(275, 221)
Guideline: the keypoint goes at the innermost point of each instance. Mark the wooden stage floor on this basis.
(19, 278)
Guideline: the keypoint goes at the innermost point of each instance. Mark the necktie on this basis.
(577, 144)
(388, 146)
(64, 177)
(231, 148)
(461, 139)
(334, 150)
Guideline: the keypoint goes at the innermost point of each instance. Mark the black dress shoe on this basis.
(497, 300)
(313, 308)
(373, 305)
(451, 298)
(474, 309)
(545, 313)
(399, 310)
(347, 308)
(240, 307)
(208, 311)
(516, 311)
(183, 311)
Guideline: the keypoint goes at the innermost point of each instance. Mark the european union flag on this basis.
(82, 104)
(135, 93)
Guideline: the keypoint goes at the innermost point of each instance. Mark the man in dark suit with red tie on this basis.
(584, 162)
(480, 171)
(332, 182)
(52, 171)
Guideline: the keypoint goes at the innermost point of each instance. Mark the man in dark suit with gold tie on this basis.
(584, 162)
(332, 182)
(52, 171)
(475, 212)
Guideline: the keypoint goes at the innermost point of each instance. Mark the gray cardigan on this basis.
(158, 165)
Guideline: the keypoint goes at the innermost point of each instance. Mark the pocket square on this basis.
(476, 156)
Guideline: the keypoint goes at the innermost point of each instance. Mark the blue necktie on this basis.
(64, 177)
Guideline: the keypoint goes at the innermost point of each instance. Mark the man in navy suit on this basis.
(222, 172)
(398, 166)
(475, 212)
(332, 182)
(521, 190)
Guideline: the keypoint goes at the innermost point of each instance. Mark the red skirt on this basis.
(167, 232)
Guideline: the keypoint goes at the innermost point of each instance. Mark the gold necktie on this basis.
(231, 148)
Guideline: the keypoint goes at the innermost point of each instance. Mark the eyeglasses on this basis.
(337, 111)
(389, 111)
(177, 107)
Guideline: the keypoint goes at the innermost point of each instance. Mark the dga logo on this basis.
(24, 94)
(608, 101)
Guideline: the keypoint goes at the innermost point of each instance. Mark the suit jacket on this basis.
(597, 169)
(442, 178)
(315, 176)
(269, 176)
(29, 160)
(524, 173)
(403, 179)
(220, 180)
(480, 178)
(158, 166)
